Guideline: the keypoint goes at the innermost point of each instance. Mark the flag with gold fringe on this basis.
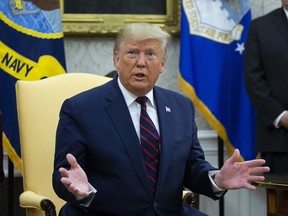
(212, 36)
(31, 48)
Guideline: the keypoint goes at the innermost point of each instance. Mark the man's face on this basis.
(139, 64)
(285, 4)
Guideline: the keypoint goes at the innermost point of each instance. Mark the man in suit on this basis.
(101, 129)
(266, 77)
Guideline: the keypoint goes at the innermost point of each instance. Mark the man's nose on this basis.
(141, 59)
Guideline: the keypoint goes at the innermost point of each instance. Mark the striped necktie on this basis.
(149, 143)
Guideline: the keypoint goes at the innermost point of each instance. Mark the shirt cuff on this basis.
(277, 120)
(87, 200)
(218, 191)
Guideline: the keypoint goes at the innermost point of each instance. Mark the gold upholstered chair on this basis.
(38, 104)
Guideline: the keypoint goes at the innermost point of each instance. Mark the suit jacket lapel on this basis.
(120, 116)
(280, 20)
(165, 112)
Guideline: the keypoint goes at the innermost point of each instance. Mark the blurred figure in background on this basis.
(266, 78)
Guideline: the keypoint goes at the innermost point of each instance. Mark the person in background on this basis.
(105, 164)
(266, 79)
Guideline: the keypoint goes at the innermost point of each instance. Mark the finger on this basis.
(259, 170)
(250, 187)
(72, 188)
(256, 178)
(234, 157)
(63, 172)
(254, 163)
(72, 161)
(66, 181)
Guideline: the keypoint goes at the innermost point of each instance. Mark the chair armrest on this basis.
(190, 198)
(29, 199)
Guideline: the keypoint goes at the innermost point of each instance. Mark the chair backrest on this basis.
(38, 104)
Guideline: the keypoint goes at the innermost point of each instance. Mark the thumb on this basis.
(72, 161)
(235, 157)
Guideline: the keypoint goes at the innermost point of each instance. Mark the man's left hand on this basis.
(236, 175)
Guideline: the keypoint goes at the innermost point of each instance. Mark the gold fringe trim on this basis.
(236, 3)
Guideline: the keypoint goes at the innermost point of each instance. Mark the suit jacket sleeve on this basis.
(197, 168)
(68, 126)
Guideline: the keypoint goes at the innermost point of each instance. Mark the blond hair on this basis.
(139, 32)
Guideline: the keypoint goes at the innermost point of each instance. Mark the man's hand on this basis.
(75, 179)
(284, 120)
(236, 175)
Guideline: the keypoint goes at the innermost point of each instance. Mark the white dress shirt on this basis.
(135, 108)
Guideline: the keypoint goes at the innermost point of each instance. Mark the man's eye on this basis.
(131, 53)
(151, 55)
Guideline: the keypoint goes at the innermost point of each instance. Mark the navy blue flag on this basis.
(213, 36)
(31, 48)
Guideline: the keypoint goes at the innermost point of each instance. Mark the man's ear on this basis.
(163, 66)
(116, 59)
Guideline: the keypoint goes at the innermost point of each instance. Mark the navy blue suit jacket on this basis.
(96, 127)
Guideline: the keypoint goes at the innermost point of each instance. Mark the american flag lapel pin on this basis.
(167, 109)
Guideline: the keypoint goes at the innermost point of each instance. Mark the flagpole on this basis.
(220, 164)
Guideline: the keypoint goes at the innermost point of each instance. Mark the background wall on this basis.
(94, 54)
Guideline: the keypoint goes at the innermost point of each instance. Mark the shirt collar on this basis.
(286, 12)
(130, 98)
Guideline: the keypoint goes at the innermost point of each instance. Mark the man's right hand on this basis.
(75, 179)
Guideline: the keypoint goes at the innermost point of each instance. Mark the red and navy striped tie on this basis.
(150, 140)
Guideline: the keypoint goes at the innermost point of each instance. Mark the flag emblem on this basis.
(212, 41)
(31, 48)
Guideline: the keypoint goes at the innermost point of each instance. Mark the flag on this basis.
(31, 48)
(212, 42)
